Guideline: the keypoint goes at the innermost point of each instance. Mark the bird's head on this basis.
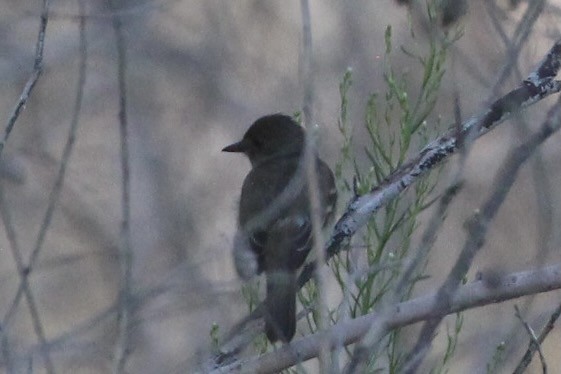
(270, 136)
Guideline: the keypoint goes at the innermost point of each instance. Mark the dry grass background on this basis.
(199, 72)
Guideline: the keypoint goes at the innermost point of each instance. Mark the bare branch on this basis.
(475, 294)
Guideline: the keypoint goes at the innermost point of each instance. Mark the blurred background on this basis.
(199, 73)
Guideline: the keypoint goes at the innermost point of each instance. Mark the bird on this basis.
(274, 232)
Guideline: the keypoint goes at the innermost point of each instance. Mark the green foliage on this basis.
(395, 124)
(250, 292)
(345, 130)
(452, 341)
(498, 359)
(214, 331)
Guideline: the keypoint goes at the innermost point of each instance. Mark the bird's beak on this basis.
(241, 146)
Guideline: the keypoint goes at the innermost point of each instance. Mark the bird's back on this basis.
(274, 202)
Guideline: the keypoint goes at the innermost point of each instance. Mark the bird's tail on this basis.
(280, 313)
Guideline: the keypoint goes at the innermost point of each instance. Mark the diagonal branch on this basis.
(539, 84)
(37, 71)
(476, 294)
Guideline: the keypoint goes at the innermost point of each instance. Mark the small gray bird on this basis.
(275, 229)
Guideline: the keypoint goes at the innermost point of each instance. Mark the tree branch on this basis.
(476, 294)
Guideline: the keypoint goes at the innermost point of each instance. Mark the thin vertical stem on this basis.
(125, 249)
(307, 79)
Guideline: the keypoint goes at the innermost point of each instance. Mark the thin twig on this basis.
(16, 254)
(307, 78)
(68, 147)
(527, 358)
(478, 227)
(125, 249)
(37, 71)
(23, 290)
(533, 338)
(25, 271)
(520, 37)
(540, 180)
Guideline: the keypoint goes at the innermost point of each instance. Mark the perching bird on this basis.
(275, 228)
